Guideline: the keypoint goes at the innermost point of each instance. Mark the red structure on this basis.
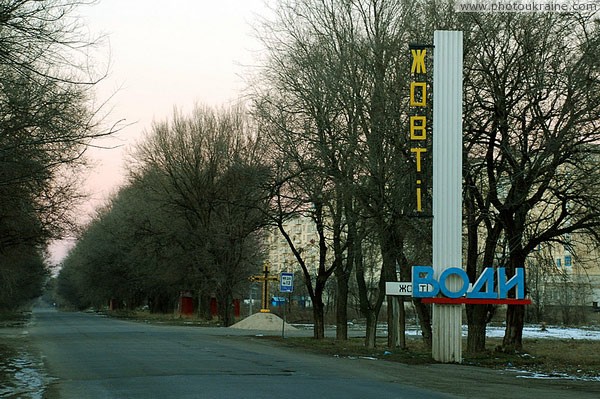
(236, 308)
(186, 303)
(214, 307)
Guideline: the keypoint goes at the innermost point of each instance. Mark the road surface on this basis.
(96, 357)
(90, 356)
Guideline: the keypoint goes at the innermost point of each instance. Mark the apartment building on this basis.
(303, 233)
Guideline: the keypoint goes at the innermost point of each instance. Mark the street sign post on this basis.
(286, 282)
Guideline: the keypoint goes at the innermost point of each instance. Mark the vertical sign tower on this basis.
(447, 187)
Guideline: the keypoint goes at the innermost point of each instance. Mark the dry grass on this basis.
(174, 319)
(573, 357)
(565, 355)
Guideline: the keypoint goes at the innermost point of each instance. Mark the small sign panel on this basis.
(286, 282)
(403, 288)
(398, 288)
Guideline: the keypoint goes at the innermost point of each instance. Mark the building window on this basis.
(568, 262)
(558, 262)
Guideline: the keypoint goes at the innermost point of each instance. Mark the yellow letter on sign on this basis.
(413, 89)
(418, 151)
(418, 132)
(418, 64)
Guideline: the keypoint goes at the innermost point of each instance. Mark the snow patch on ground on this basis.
(529, 331)
(555, 332)
(552, 376)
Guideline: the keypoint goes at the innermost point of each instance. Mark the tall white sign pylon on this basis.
(447, 187)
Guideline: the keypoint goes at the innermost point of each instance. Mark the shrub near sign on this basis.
(492, 287)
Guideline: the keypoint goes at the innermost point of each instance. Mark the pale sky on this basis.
(163, 54)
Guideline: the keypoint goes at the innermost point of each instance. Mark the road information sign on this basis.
(286, 282)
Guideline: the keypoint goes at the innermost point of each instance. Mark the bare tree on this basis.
(333, 74)
(47, 118)
(207, 169)
(531, 121)
(45, 40)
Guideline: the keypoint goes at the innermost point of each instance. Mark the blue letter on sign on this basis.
(486, 279)
(462, 277)
(421, 285)
(517, 280)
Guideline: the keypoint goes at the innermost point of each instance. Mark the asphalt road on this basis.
(90, 356)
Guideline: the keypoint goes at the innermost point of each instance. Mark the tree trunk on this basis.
(225, 302)
(424, 316)
(204, 305)
(372, 317)
(393, 334)
(397, 331)
(343, 271)
(476, 322)
(319, 317)
(341, 310)
(371, 334)
(515, 314)
(363, 295)
(392, 243)
(402, 322)
(513, 335)
(477, 315)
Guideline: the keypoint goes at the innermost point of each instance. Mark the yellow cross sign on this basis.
(265, 277)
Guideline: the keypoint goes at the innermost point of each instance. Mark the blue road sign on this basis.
(286, 282)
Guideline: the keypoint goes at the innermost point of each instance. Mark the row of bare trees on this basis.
(332, 94)
(531, 135)
(328, 140)
(47, 120)
(188, 220)
(332, 107)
